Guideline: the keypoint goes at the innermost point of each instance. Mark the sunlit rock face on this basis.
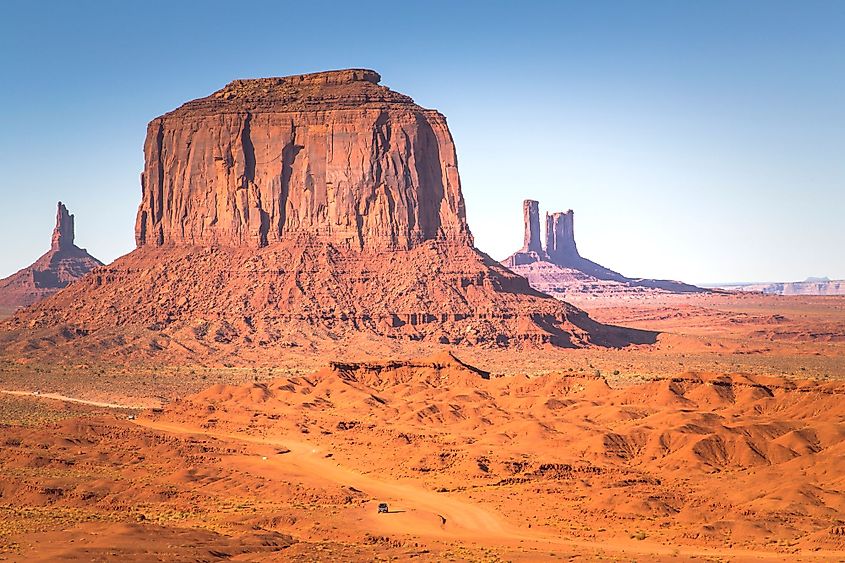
(333, 155)
(300, 211)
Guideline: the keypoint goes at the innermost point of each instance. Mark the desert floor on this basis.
(723, 441)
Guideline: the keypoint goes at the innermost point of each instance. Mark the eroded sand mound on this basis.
(698, 458)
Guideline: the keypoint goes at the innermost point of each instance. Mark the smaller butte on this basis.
(561, 271)
(62, 265)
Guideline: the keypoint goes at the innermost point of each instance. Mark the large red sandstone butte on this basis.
(560, 270)
(332, 155)
(63, 264)
(292, 211)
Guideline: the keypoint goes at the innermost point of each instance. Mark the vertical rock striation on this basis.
(63, 232)
(331, 155)
(560, 238)
(531, 217)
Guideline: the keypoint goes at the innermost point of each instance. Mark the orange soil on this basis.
(736, 454)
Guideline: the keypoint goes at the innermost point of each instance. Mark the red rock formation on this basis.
(331, 154)
(301, 211)
(560, 238)
(63, 232)
(561, 271)
(531, 216)
(532, 249)
(63, 264)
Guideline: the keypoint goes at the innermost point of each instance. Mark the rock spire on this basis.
(63, 232)
(531, 216)
(300, 211)
(560, 238)
(559, 269)
(62, 265)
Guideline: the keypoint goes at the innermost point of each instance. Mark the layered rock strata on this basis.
(333, 155)
(810, 286)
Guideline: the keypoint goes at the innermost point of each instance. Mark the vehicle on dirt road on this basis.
(382, 508)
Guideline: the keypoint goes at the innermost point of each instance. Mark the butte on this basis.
(560, 270)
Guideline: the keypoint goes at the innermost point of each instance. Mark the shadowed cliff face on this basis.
(63, 233)
(333, 155)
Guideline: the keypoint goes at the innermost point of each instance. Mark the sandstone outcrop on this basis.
(560, 270)
(298, 211)
(332, 155)
(531, 214)
(532, 249)
(560, 237)
(63, 264)
(63, 233)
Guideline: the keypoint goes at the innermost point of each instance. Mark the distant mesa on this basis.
(810, 286)
(63, 264)
(299, 211)
(560, 270)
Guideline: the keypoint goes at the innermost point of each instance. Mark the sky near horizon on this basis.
(699, 141)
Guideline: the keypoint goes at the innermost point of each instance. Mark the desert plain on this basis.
(722, 441)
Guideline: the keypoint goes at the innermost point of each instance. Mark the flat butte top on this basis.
(330, 90)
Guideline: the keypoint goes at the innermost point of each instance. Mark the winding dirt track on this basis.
(66, 399)
(424, 513)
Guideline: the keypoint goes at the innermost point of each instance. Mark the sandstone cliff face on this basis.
(63, 264)
(332, 155)
(560, 270)
(531, 216)
(532, 250)
(560, 238)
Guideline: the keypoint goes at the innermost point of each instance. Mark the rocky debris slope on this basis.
(560, 270)
(63, 264)
(301, 210)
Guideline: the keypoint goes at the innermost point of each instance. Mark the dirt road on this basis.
(57, 397)
(424, 513)
(420, 512)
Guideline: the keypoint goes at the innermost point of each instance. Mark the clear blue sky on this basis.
(696, 140)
